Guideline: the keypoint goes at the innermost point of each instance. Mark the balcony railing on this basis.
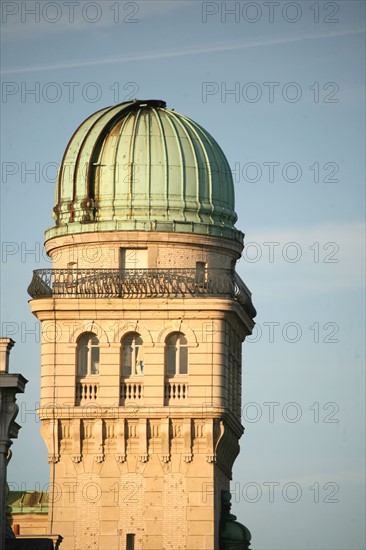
(139, 283)
(175, 391)
(132, 391)
(86, 392)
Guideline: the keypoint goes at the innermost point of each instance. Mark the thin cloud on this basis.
(197, 50)
(328, 258)
(15, 30)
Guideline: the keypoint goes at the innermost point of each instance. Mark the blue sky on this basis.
(280, 85)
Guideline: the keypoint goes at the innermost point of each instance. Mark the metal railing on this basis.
(139, 283)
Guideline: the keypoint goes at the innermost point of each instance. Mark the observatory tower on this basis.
(143, 317)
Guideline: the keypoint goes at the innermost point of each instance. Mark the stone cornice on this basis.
(46, 309)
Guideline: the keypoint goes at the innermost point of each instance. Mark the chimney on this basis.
(5, 346)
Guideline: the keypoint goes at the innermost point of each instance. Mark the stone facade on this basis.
(142, 317)
(140, 460)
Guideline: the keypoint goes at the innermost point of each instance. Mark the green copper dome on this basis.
(141, 166)
(233, 535)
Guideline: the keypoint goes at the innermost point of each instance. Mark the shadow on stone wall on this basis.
(28, 544)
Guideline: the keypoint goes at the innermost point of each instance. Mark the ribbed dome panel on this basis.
(139, 165)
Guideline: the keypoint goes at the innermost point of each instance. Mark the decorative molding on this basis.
(209, 434)
(227, 448)
(143, 440)
(89, 326)
(76, 440)
(51, 434)
(99, 440)
(165, 439)
(187, 440)
(178, 326)
(133, 326)
(218, 436)
(121, 429)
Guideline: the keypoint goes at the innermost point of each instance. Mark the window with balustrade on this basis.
(176, 368)
(132, 355)
(132, 367)
(176, 354)
(87, 367)
(87, 354)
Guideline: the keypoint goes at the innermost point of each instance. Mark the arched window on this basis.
(176, 354)
(132, 355)
(87, 354)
